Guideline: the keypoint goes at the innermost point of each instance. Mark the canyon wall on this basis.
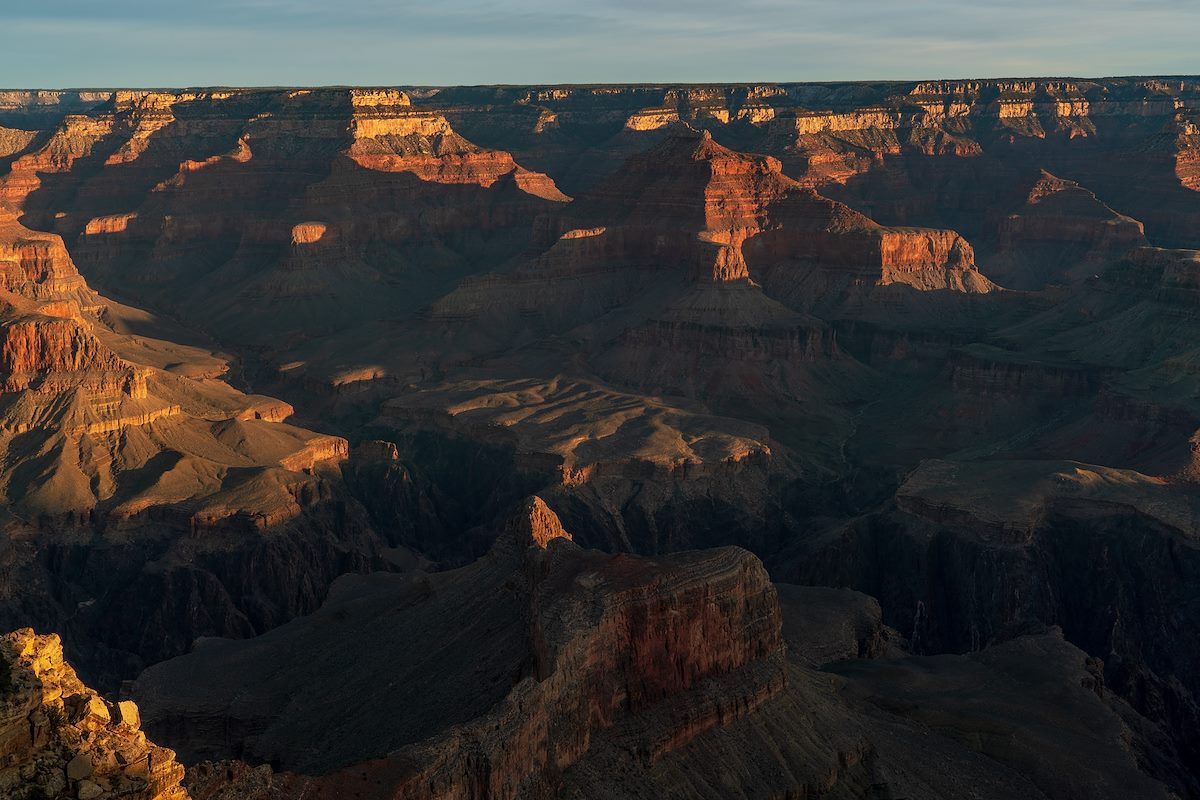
(932, 341)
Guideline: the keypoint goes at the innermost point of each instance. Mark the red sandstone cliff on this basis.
(599, 638)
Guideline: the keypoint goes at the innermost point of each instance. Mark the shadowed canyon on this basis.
(788, 440)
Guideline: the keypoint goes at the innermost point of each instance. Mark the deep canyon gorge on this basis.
(797, 440)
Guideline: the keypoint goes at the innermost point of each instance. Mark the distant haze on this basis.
(75, 43)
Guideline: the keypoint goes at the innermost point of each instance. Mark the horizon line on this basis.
(590, 84)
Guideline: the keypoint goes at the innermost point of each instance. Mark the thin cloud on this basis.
(304, 42)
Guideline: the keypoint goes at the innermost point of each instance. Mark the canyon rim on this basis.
(759, 440)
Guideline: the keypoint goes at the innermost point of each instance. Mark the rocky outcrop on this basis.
(60, 739)
(537, 524)
(1061, 234)
(978, 552)
(38, 346)
(37, 265)
(707, 197)
(836, 732)
(569, 641)
(821, 248)
(929, 260)
(390, 135)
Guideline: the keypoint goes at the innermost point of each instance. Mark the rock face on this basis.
(1061, 224)
(835, 728)
(59, 739)
(979, 552)
(569, 642)
(612, 676)
(134, 474)
(37, 266)
(392, 136)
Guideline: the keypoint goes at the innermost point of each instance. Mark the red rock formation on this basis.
(607, 637)
(37, 266)
(392, 136)
(694, 189)
(843, 248)
(707, 197)
(203, 188)
(537, 524)
(694, 208)
(1062, 233)
(38, 344)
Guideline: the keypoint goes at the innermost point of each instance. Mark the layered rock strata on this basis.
(140, 486)
(570, 642)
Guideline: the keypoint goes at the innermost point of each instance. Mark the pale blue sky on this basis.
(74, 43)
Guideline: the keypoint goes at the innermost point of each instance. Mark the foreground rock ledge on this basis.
(59, 739)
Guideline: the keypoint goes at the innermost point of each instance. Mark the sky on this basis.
(165, 43)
